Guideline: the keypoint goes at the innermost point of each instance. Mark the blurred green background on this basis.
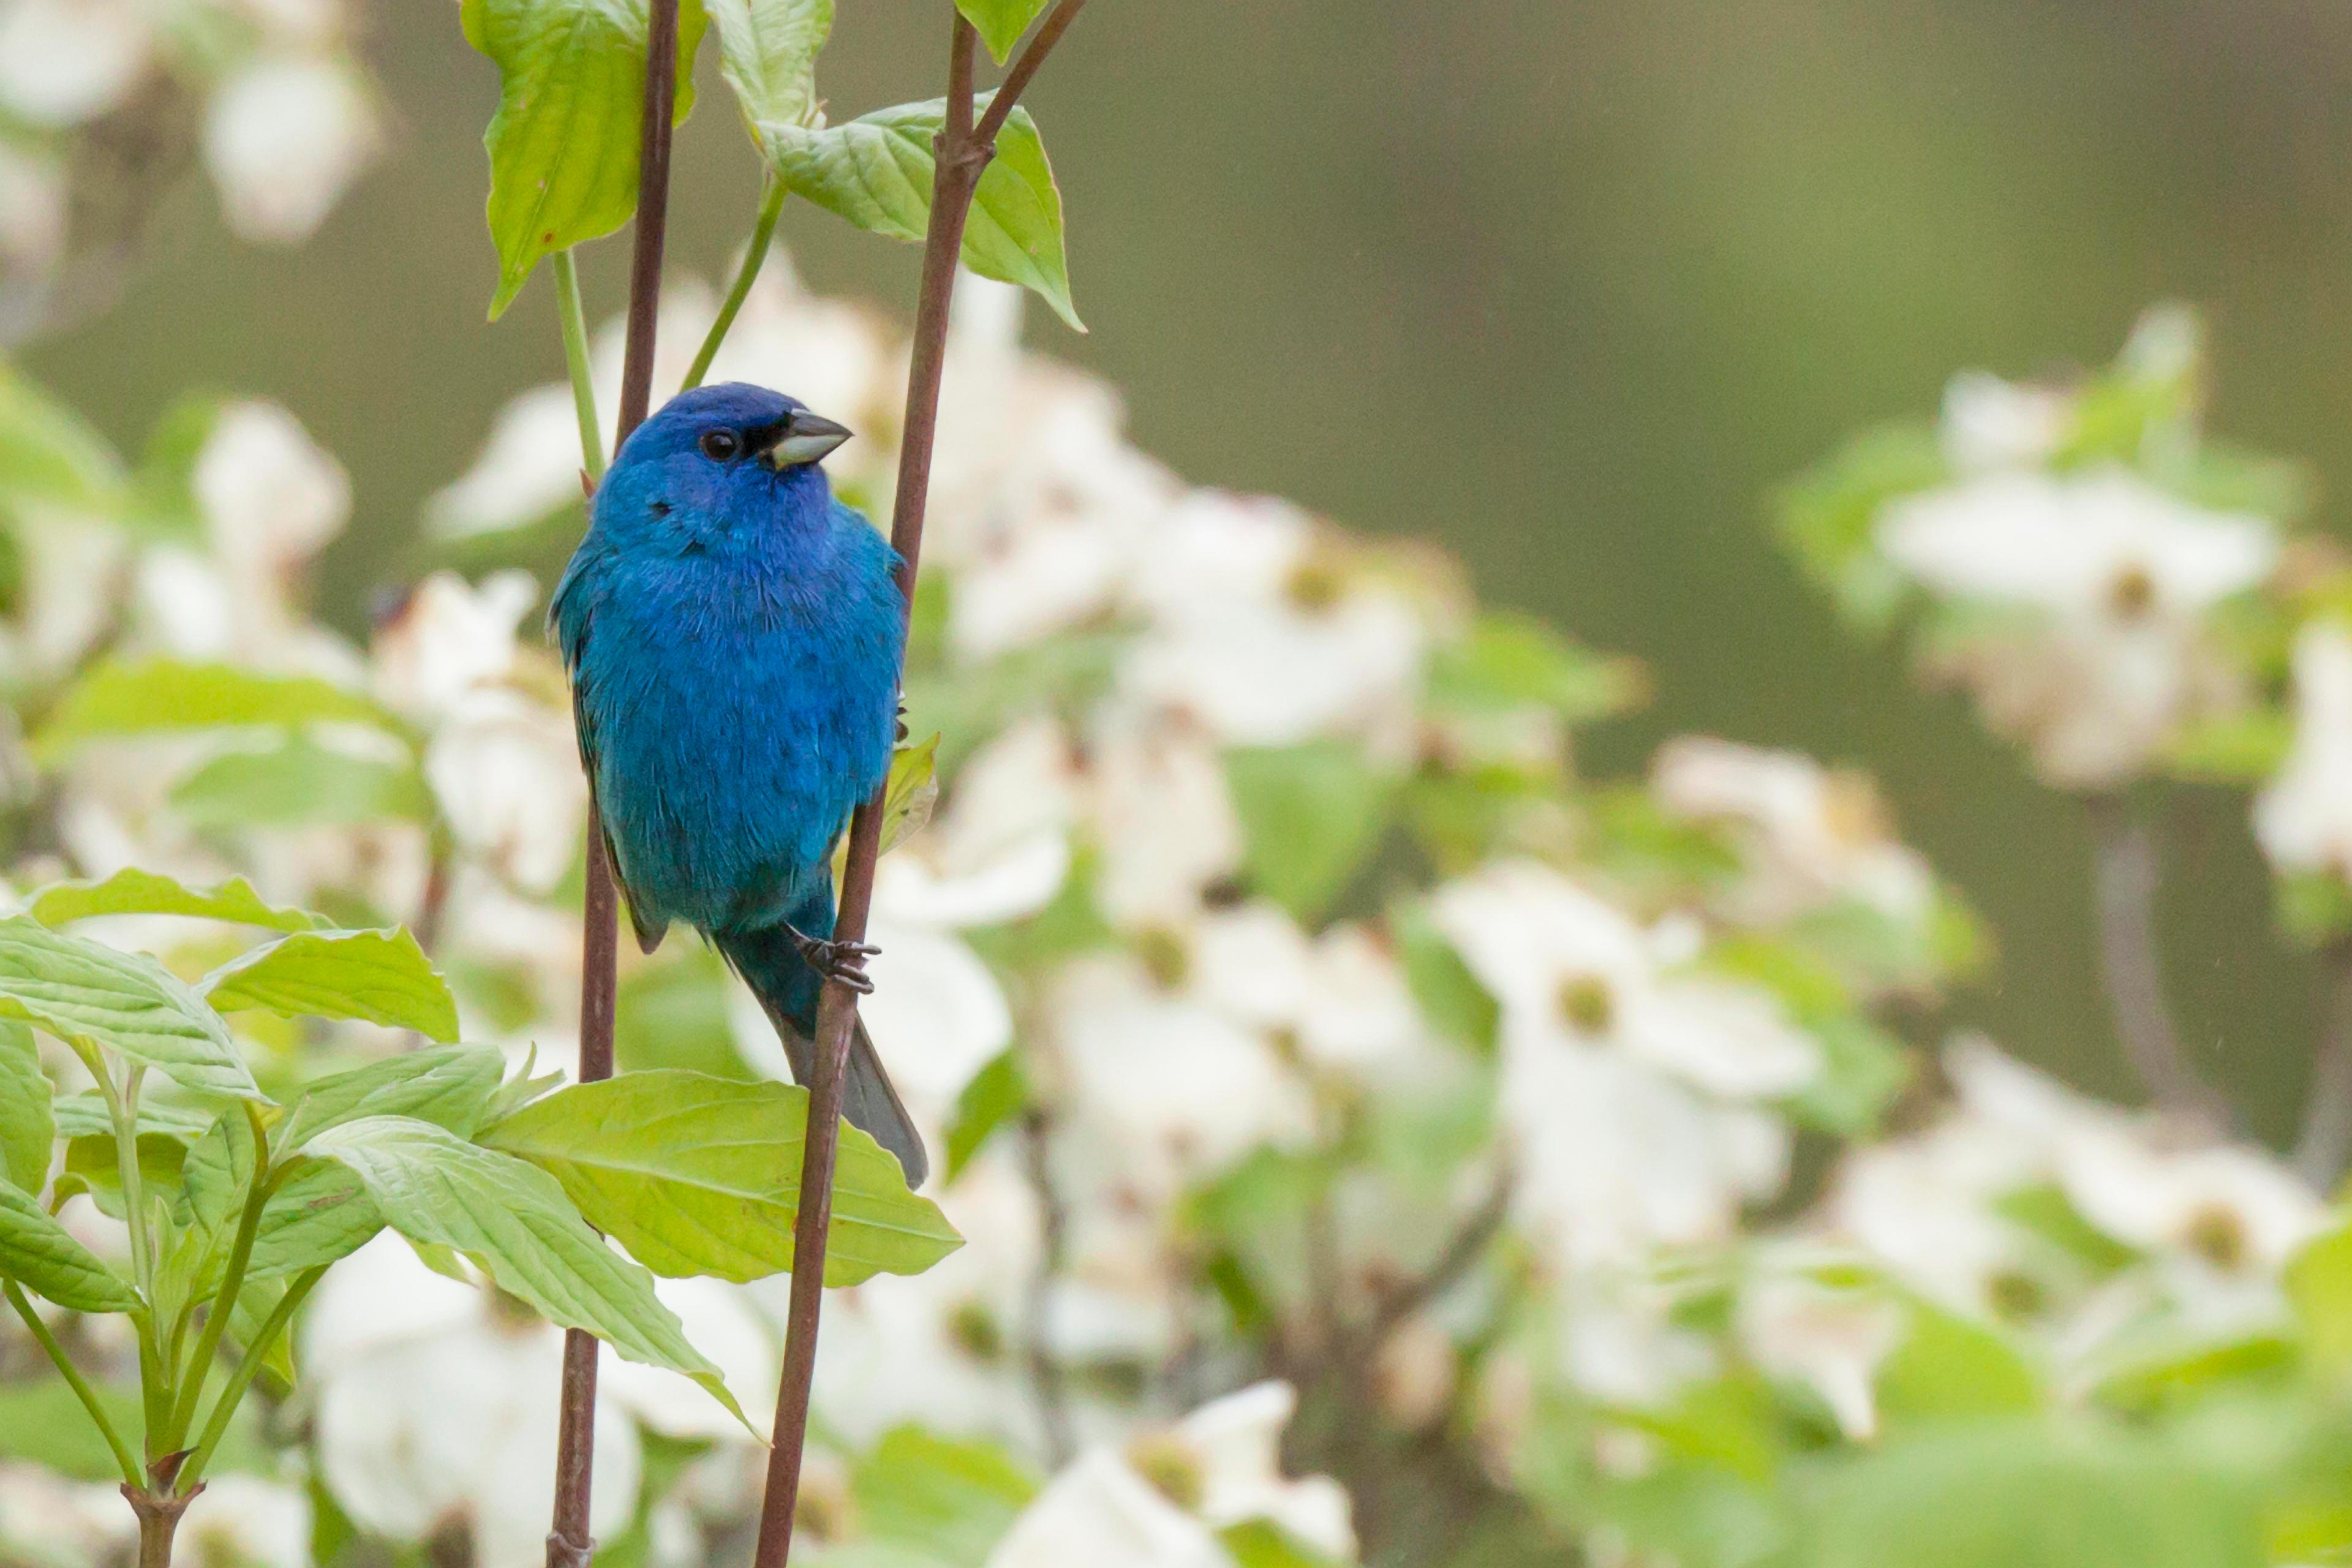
(1567, 285)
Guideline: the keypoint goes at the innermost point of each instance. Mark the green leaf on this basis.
(1826, 516)
(2240, 749)
(50, 456)
(1000, 23)
(382, 976)
(997, 1093)
(1948, 1368)
(701, 1175)
(2017, 1495)
(1506, 662)
(162, 491)
(250, 1310)
(2313, 907)
(39, 1254)
(913, 790)
(672, 1013)
(92, 995)
(449, 1085)
(1309, 816)
(28, 1122)
(563, 143)
(93, 1164)
(2319, 1282)
(159, 695)
(319, 1214)
(767, 53)
(1263, 1544)
(432, 1186)
(135, 892)
(946, 1500)
(876, 171)
(85, 1115)
(1451, 998)
(300, 783)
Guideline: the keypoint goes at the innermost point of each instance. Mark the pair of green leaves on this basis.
(563, 144)
(693, 1174)
(286, 779)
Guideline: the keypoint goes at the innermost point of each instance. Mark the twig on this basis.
(1045, 1375)
(763, 235)
(2126, 879)
(961, 157)
(1471, 1241)
(569, 1544)
(2326, 1141)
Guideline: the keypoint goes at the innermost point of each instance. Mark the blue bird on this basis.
(734, 636)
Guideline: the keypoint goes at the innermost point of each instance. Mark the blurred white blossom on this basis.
(65, 61)
(2303, 817)
(283, 139)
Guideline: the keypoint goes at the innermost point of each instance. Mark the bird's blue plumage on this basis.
(734, 636)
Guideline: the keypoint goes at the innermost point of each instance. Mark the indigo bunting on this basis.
(733, 635)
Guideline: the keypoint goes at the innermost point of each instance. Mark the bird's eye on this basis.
(721, 445)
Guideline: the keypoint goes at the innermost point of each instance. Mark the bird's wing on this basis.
(568, 613)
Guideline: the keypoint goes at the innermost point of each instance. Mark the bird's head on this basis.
(732, 426)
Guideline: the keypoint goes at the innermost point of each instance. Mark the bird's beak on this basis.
(804, 437)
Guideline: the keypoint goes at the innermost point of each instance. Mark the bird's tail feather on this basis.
(788, 989)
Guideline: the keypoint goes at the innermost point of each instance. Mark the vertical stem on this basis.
(74, 1380)
(1045, 1376)
(154, 1368)
(960, 154)
(569, 1544)
(249, 1226)
(763, 235)
(217, 1425)
(575, 361)
(159, 1520)
(2126, 881)
(2326, 1141)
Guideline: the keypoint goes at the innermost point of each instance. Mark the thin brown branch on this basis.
(1025, 65)
(961, 153)
(2324, 1143)
(569, 1544)
(2125, 883)
(1469, 1244)
(1046, 1378)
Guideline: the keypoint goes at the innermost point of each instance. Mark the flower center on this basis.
(2217, 1236)
(2016, 1296)
(1314, 585)
(1587, 1004)
(1171, 1467)
(1165, 957)
(974, 1330)
(2132, 594)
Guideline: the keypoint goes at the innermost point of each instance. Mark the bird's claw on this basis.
(843, 962)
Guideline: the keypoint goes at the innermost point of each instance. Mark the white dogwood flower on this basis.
(449, 638)
(284, 138)
(66, 61)
(506, 770)
(1814, 836)
(1989, 423)
(1570, 969)
(2303, 818)
(1159, 1503)
(1258, 632)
